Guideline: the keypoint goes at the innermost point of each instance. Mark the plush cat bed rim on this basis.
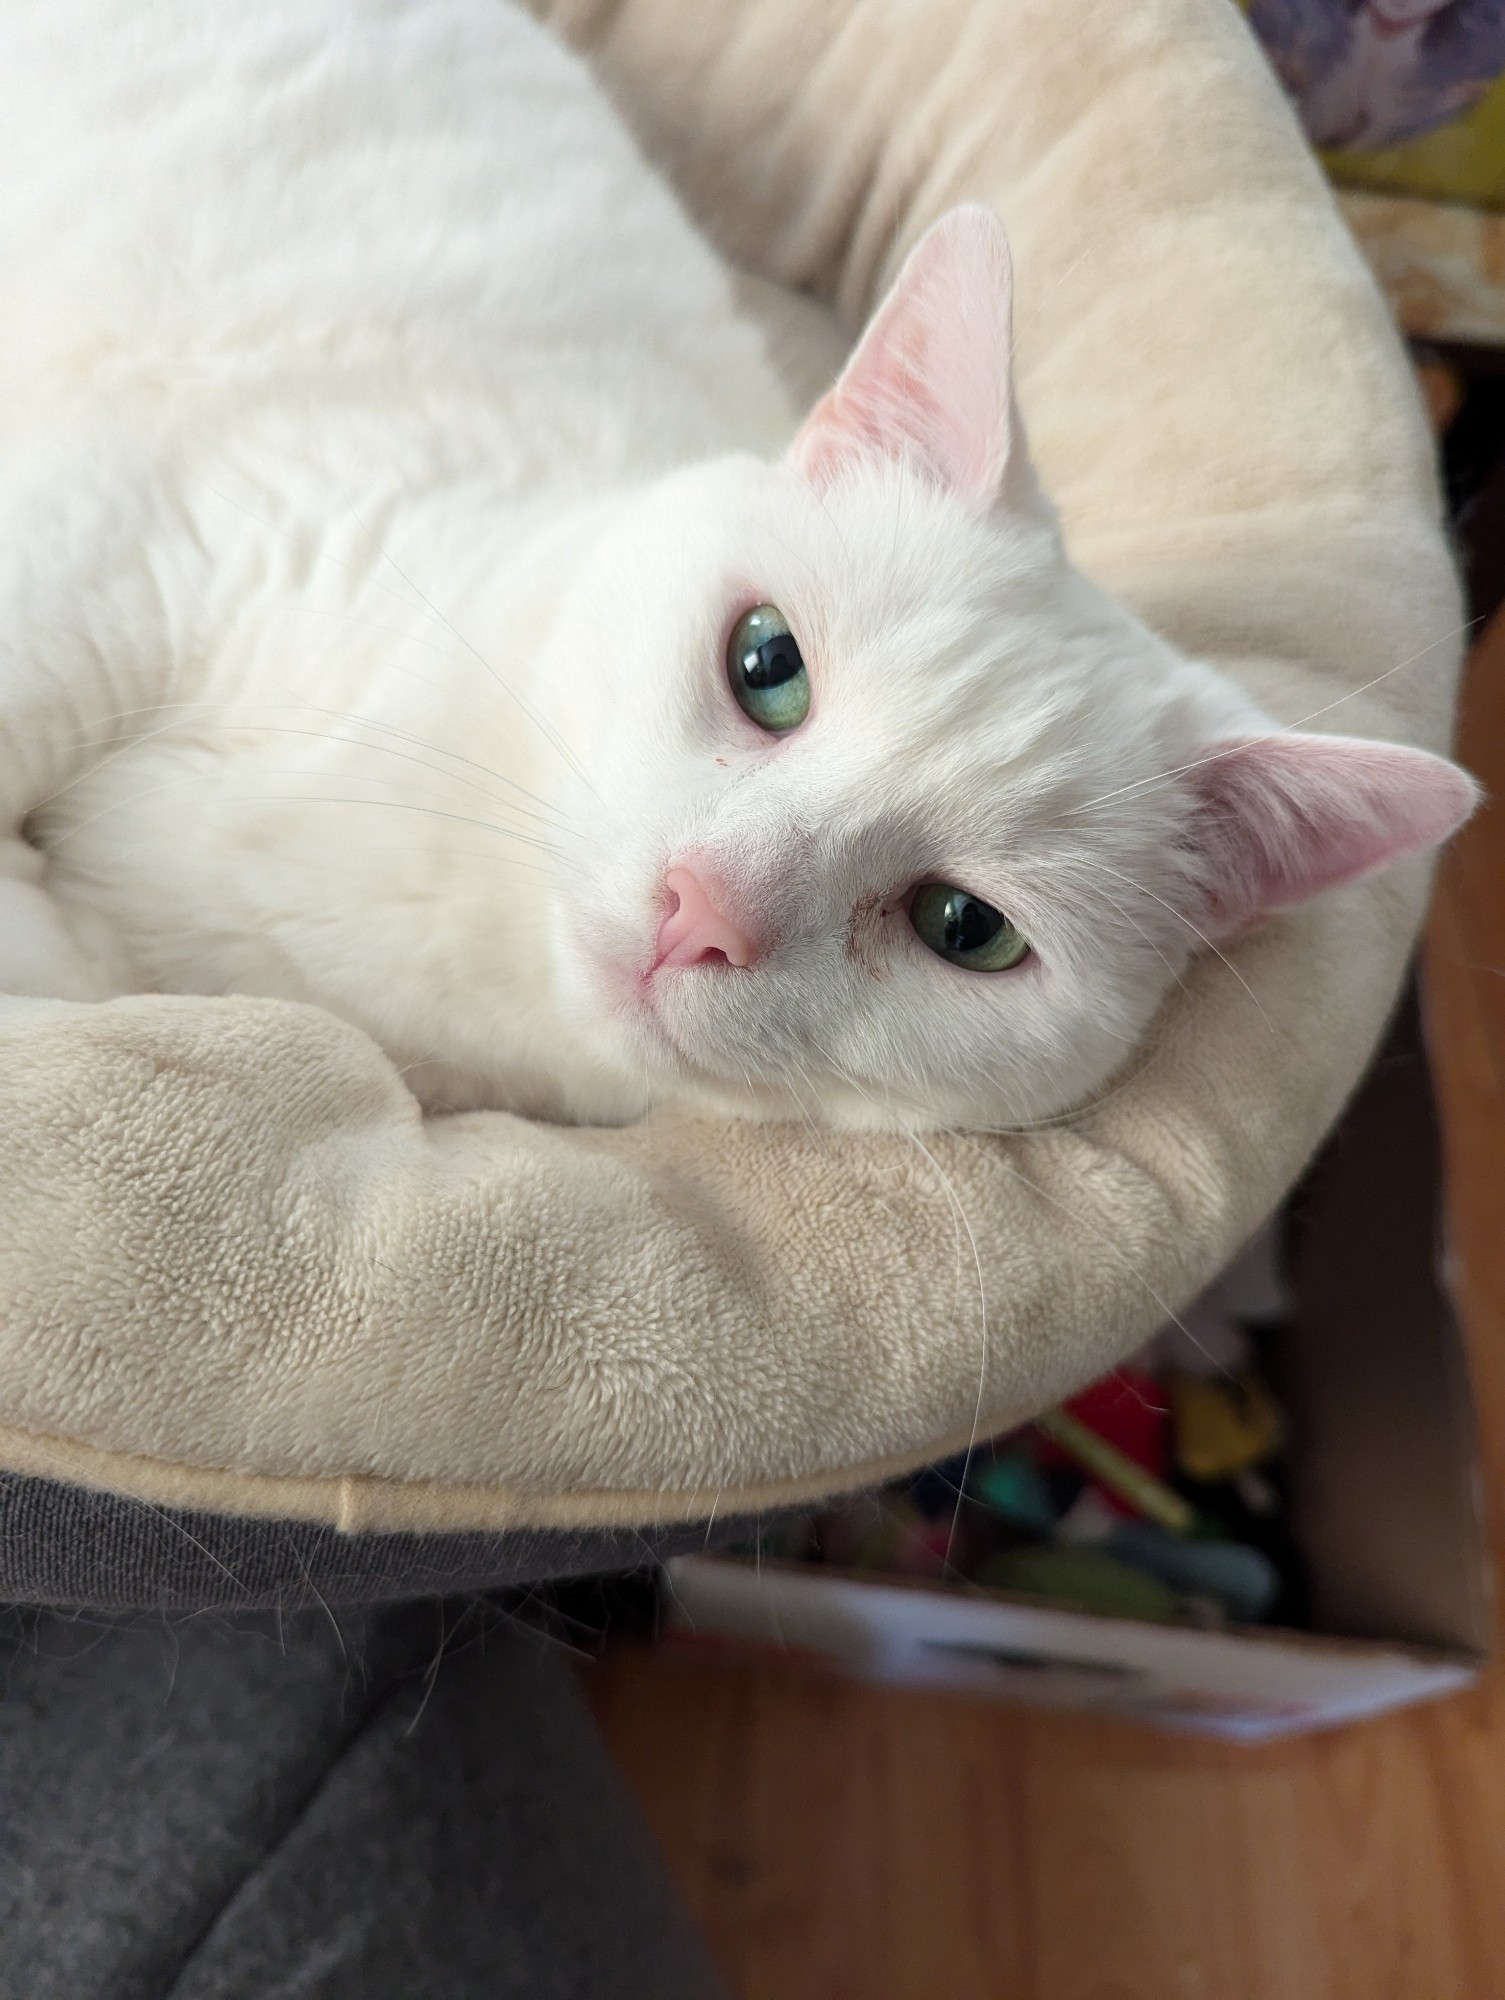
(835, 225)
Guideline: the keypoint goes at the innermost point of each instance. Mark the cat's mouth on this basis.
(656, 1014)
(651, 1022)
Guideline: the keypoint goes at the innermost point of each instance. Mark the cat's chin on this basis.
(614, 1100)
(835, 1107)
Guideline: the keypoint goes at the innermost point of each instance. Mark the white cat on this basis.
(411, 602)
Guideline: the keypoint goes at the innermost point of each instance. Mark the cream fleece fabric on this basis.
(238, 1271)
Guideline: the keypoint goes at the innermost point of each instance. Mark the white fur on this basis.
(383, 462)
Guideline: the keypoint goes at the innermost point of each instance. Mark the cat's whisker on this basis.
(387, 750)
(231, 720)
(797, 555)
(406, 736)
(1141, 786)
(425, 607)
(119, 750)
(398, 805)
(890, 1106)
(514, 864)
(324, 556)
(55, 841)
(794, 1069)
(824, 506)
(1065, 1120)
(963, 1222)
(1122, 914)
(532, 839)
(391, 805)
(1349, 694)
(539, 721)
(901, 510)
(402, 638)
(328, 559)
(1103, 1241)
(434, 1058)
(1181, 918)
(1068, 271)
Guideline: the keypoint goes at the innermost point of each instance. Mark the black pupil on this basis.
(969, 924)
(777, 660)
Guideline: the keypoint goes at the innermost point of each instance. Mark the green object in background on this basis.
(1242, 1579)
(1014, 1487)
(1085, 1579)
(1124, 1479)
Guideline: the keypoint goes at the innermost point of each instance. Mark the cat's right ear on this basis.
(930, 382)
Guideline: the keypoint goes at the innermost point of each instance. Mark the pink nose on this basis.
(695, 932)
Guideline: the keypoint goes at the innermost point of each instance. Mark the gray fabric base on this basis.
(62, 1544)
(406, 1805)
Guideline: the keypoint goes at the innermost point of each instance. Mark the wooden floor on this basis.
(844, 1844)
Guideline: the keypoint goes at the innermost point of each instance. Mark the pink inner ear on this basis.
(1281, 817)
(930, 380)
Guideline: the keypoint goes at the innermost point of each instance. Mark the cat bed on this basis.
(263, 1323)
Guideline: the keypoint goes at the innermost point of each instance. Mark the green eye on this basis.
(965, 930)
(767, 674)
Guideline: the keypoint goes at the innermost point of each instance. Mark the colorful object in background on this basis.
(1240, 1581)
(1127, 1409)
(1015, 1487)
(1154, 1493)
(1123, 1476)
(1084, 1578)
(1366, 74)
(1440, 265)
(1406, 100)
(1223, 1427)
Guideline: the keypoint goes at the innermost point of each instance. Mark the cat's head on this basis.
(893, 816)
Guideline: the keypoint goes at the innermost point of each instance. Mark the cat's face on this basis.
(892, 817)
(974, 714)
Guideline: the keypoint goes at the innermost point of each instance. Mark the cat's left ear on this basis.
(931, 379)
(1278, 818)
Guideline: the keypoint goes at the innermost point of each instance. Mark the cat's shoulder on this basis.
(397, 193)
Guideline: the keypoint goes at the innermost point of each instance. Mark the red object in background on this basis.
(1130, 1410)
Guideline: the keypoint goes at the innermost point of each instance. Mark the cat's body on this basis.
(317, 300)
(360, 644)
